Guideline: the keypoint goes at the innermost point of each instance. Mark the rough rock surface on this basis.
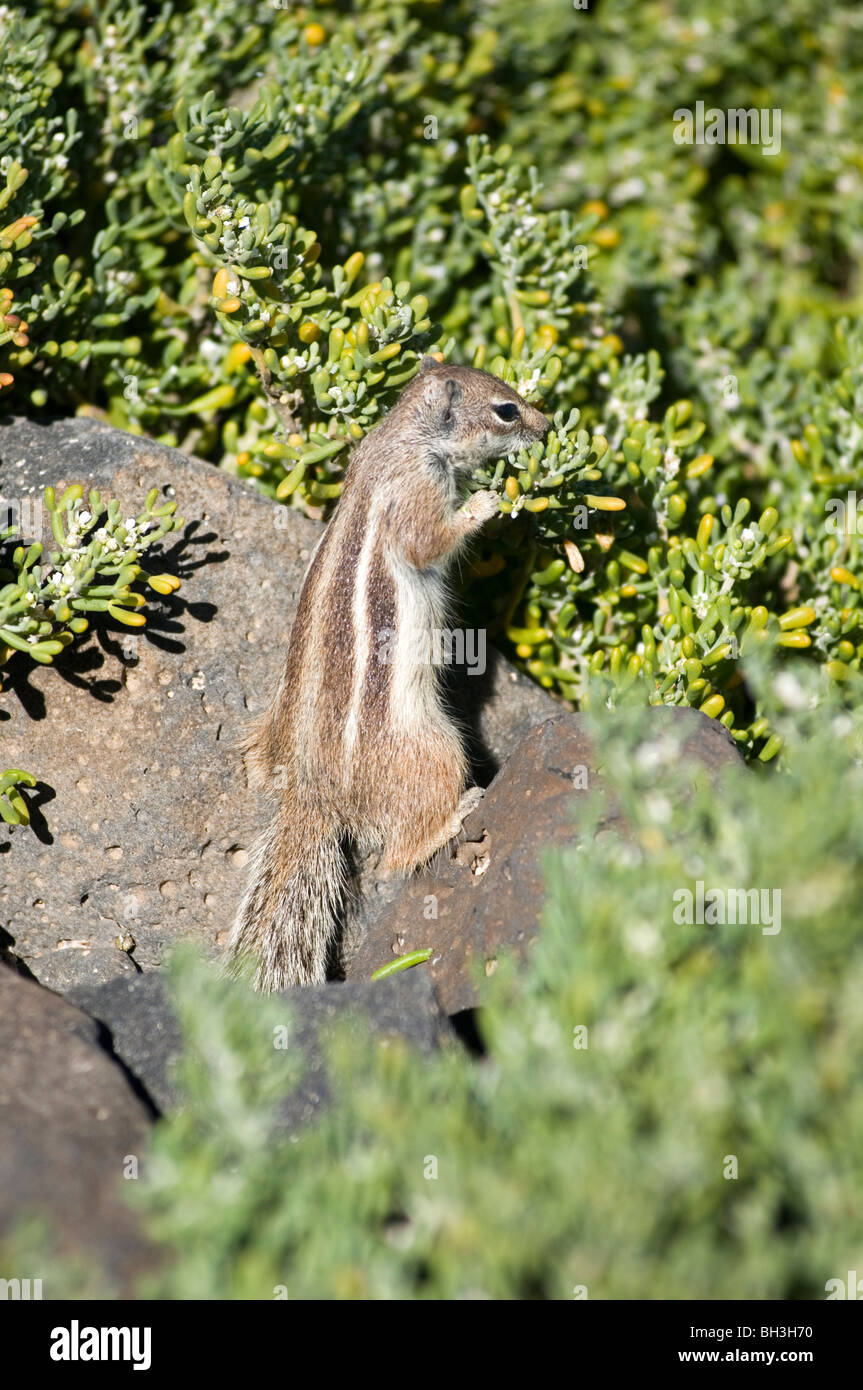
(70, 1122)
(488, 889)
(142, 821)
(141, 1029)
(145, 1033)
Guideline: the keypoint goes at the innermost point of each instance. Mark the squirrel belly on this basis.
(357, 745)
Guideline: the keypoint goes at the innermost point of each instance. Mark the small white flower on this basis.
(628, 189)
(643, 939)
(658, 807)
(671, 459)
(654, 754)
(527, 384)
(790, 691)
(210, 350)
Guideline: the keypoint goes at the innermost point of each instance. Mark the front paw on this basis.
(482, 506)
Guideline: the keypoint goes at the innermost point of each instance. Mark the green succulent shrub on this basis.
(45, 600)
(239, 232)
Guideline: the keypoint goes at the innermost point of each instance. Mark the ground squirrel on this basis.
(357, 744)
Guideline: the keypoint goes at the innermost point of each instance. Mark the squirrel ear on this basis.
(441, 394)
(453, 394)
(426, 363)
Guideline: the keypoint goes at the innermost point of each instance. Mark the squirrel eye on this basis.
(507, 411)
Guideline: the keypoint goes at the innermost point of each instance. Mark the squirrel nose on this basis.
(539, 422)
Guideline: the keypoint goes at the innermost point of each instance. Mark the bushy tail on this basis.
(289, 915)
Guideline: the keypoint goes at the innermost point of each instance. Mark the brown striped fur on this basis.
(356, 745)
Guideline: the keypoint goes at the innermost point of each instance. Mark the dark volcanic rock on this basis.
(70, 1122)
(145, 1032)
(141, 1027)
(403, 1006)
(487, 891)
(143, 822)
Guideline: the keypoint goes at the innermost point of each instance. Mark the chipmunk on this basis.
(357, 741)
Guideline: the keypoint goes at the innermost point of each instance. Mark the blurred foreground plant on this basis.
(676, 1108)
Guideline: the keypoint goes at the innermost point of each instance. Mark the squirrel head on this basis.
(469, 416)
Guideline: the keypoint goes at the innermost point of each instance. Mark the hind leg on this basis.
(426, 825)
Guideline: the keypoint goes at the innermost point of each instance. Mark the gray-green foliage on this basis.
(559, 1165)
